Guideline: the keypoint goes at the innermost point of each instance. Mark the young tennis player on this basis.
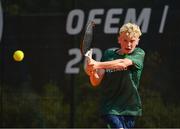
(119, 75)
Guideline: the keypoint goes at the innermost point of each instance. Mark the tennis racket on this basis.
(86, 44)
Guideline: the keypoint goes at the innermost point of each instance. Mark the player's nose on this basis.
(129, 44)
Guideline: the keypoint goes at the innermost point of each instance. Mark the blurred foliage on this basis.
(87, 101)
(26, 108)
(156, 113)
(53, 108)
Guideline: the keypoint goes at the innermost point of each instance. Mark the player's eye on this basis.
(132, 41)
(125, 40)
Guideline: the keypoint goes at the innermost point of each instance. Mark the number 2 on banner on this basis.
(69, 67)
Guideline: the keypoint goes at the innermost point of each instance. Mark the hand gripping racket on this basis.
(86, 44)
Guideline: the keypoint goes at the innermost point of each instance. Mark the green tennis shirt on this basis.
(120, 88)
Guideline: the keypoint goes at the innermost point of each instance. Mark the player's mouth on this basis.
(128, 49)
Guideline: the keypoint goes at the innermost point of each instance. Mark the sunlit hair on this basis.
(131, 29)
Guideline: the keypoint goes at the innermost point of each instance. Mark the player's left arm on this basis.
(135, 59)
(120, 64)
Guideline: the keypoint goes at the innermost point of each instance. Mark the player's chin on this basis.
(128, 51)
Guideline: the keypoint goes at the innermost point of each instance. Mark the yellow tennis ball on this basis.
(18, 55)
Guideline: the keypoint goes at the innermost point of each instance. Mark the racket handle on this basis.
(89, 53)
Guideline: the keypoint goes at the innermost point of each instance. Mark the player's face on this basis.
(127, 43)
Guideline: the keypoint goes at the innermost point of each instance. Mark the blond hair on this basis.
(131, 30)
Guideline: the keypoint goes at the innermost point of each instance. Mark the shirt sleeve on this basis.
(137, 58)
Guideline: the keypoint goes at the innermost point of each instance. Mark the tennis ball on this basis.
(18, 55)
